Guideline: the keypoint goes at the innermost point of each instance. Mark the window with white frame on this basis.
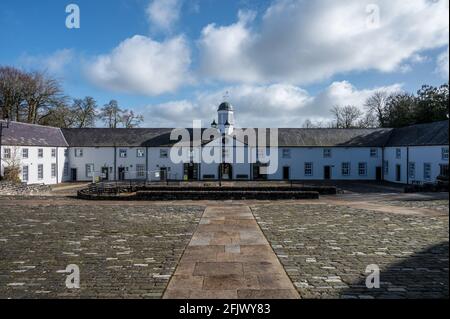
(362, 169)
(53, 170)
(286, 153)
(163, 153)
(445, 153)
(308, 169)
(412, 170)
(7, 153)
(66, 152)
(140, 152)
(89, 170)
(123, 153)
(40, 152)
(66, 169)
(25, 153)
(386, 167)
(398, 153)
(327, 153)
(25, 174)
(373, 152)
(427, 171)
(140, 170)
(53, 152)
(78, 152)
(346, 169)
(40, 171)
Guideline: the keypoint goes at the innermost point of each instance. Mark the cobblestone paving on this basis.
(325, 250)
(439, 205)
(122, 251)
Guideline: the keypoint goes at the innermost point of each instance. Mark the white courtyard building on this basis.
(414, 154)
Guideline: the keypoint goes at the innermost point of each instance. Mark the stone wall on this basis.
(19, 189)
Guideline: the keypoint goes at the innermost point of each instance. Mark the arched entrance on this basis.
(225, 171)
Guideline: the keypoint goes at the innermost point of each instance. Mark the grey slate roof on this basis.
(22, 134)
(323, 137)
(147, 137)
(421, 134)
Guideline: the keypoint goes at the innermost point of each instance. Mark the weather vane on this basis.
(226, 95)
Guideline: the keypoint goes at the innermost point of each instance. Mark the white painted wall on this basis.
(33, 161)
(301, 155)
(104, 157)
(418, 155)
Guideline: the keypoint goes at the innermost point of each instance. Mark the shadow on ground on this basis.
(423, 275)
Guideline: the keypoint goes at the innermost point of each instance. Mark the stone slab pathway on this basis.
(229, 258)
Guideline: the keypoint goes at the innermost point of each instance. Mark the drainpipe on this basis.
(407, 165)
(146, 164)
(115, 163)
(57, 165)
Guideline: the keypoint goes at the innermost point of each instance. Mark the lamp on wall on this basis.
(3, 124)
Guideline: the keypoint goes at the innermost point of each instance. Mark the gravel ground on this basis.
(325, 250)
(121, 251)
(439, 205)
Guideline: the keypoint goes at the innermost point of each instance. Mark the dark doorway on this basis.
(327, 172)
(398, 173)
(286, 173)
(163, 173)
(73, 174)
(225, 171)
(378, 173)
(191, 172)
(121, 173)
(105, 173)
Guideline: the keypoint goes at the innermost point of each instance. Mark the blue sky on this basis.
(282, 61)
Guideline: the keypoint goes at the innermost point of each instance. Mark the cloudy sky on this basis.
(282, 61)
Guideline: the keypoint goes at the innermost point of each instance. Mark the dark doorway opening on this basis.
(327, 172)
(121, 173)
(163, 173)
(398, 173)
(225, 171)
(73, 174)
(105, 173)
(191, 171)
(286, 173)
(379, 173)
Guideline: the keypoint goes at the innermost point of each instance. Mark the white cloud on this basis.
(163, 14)
(307, 41)
(443, 64)
(54, 63)
(143, 66)
(278, 105)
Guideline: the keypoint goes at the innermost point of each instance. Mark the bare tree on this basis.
(130, 120)
(40, 93)
(346, 116)
(85, 112)
(111, 114)
(11, 93)
(376, 105)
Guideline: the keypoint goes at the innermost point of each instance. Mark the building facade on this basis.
(45, 155)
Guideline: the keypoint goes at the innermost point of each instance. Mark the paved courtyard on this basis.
(244, 249)
(326, 248)
(122, 251)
